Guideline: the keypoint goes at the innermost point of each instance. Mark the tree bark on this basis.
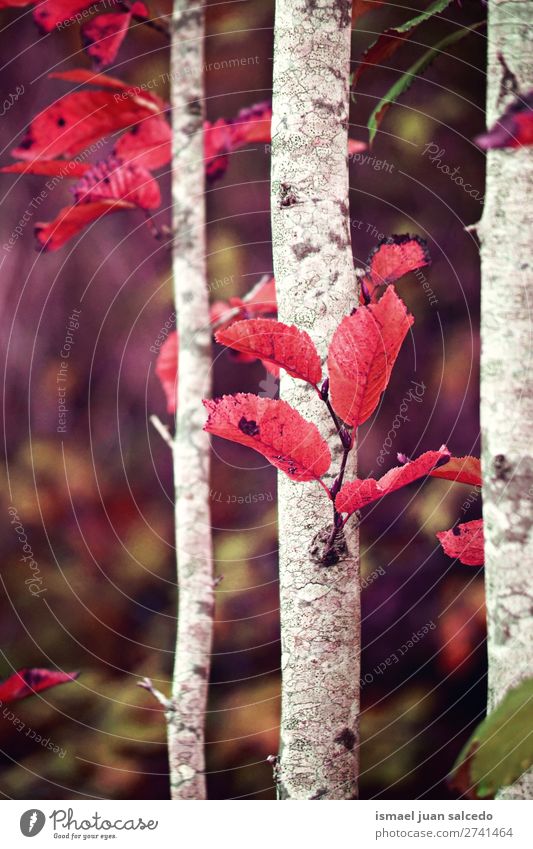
(316, 287)
(506, 386)
(186, 717)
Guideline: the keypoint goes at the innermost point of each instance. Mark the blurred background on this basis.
(96, 500)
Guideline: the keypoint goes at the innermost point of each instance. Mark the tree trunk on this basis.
(186, 717)
(506, 387)
(316, 287)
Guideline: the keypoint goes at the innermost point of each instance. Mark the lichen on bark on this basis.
(186, 717)
(506, 385)
(316, 287)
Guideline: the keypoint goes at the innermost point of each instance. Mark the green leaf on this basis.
(404, 82)
(392, 38)
(500, 749)
(434, 9)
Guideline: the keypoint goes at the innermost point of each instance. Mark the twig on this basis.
(146, 684)
(236, 311)
(163, 431)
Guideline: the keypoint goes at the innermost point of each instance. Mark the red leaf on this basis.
(361, 356)
(102, 37)
(112, 180)
(49, 13)
(356, 146)
(514, 128)
(465, 543)
(221, 314)
(14, 4)
(83, 76)
(221, 138)
(274, 429)
(252, 125)
(78, 119)
(167, 369)
(48, 168)
(26, 682)
(277, 343)
(361, 7)
(217, 144)
(262, 301)
(383, 48)
(462, 470)
(72, 219)
(359, 493)
(390, 260)
(146, 144)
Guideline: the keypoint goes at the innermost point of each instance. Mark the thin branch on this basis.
(236, 311)
(146, 684)
(163, 431)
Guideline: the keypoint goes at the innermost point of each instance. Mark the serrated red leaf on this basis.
(147, 144)
(359, 493)
(462, 470)
(52, 235)
(514, 128)
(113, 180)
(391, 259)
(465, 543)
(67, 168)
(103, 35)
(167, 369)
(26, 682)
(79, 119)
(275, 430)
(277, 343)
(362, 354)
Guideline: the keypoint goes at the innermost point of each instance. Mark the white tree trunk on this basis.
(186, 718)
(316, 287)
(506, 382)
